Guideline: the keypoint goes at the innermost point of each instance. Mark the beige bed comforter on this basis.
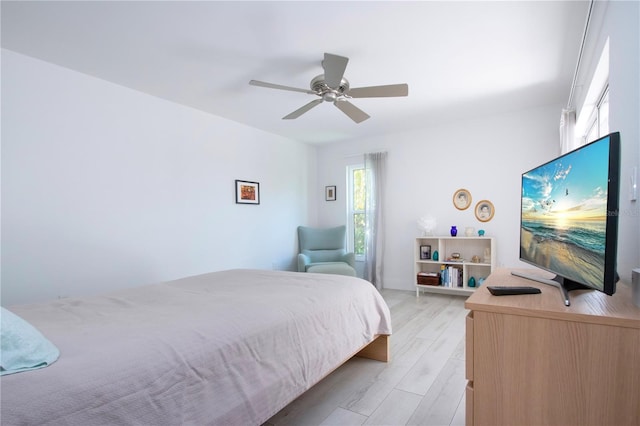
(230, 347)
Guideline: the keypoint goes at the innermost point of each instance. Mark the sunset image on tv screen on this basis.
(564, 214)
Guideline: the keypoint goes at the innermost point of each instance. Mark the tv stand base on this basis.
(564, 285)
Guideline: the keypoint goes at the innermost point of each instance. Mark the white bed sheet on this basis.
(230, 347)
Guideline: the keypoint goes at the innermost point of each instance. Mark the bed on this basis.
(229, 347)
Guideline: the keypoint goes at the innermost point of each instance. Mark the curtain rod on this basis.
(584, 39)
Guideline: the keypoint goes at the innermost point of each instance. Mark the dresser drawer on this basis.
(468, 415)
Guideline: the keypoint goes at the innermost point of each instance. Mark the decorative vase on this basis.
(427, 224)
(454, 231)
(472, 282)
(434, 255)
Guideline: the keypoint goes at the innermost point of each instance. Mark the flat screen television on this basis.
(569, 217)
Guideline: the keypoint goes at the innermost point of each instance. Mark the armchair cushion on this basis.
(339, 268)
(325, 255)
(321, 238)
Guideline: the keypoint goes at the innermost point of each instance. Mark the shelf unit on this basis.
(467, 247)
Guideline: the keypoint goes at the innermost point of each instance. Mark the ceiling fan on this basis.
(333, 87)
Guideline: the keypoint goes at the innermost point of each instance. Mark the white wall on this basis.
(104, 187)
(487, 156)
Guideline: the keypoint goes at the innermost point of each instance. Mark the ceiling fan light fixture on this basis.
(329, 96)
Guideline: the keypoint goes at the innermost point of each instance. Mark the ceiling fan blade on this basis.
(334, 67)
(354, 113)
(297, 113)
(278, 86)
(387, 91)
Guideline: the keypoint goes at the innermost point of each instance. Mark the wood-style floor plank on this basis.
(396, 409)
(439, 405)
(342, 417)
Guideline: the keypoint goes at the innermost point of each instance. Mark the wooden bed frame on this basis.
(377, 349)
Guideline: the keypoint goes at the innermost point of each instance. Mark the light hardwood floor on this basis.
(423, 384)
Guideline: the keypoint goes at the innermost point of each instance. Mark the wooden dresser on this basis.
(530, 360)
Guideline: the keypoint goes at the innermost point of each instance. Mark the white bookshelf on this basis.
(467, 247)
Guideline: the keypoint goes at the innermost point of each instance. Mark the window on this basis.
(355, 209)
(603, 113)
(599, 120)
(593, 120)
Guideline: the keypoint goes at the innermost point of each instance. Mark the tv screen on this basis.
(569, 216)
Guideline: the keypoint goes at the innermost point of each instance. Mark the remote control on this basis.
(505, 291)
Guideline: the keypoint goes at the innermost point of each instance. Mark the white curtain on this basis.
(568, 141)
(375, 165)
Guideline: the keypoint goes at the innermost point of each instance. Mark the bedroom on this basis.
(111, 192)
(114, 188)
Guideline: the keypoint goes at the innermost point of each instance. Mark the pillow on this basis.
(23, 347)
(325, 255)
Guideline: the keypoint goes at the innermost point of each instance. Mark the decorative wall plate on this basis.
(462, 199)
(484, 210)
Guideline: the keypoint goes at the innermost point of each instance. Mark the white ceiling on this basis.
(460, 59)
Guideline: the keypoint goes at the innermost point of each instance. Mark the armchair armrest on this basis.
(303, 261)
(350, 258)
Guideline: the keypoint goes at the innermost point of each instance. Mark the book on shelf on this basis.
(451, 276)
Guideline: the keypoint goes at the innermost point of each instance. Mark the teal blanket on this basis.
(23, 347)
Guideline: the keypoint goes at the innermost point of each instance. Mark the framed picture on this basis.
(330, 193)
(462, 199)
(247, 192)
(425, 252)
(484, 211)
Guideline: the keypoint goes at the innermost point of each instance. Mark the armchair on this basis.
(324, 251)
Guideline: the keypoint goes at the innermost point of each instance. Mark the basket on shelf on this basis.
(428, 278)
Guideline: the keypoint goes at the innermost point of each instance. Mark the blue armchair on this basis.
(324, 251)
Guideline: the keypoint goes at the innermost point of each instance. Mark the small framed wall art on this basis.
(247, 192)
(462, 199)
(330, 193)
(425, 252)
(484, 210)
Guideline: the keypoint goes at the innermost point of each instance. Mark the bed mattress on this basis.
(229, 347)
